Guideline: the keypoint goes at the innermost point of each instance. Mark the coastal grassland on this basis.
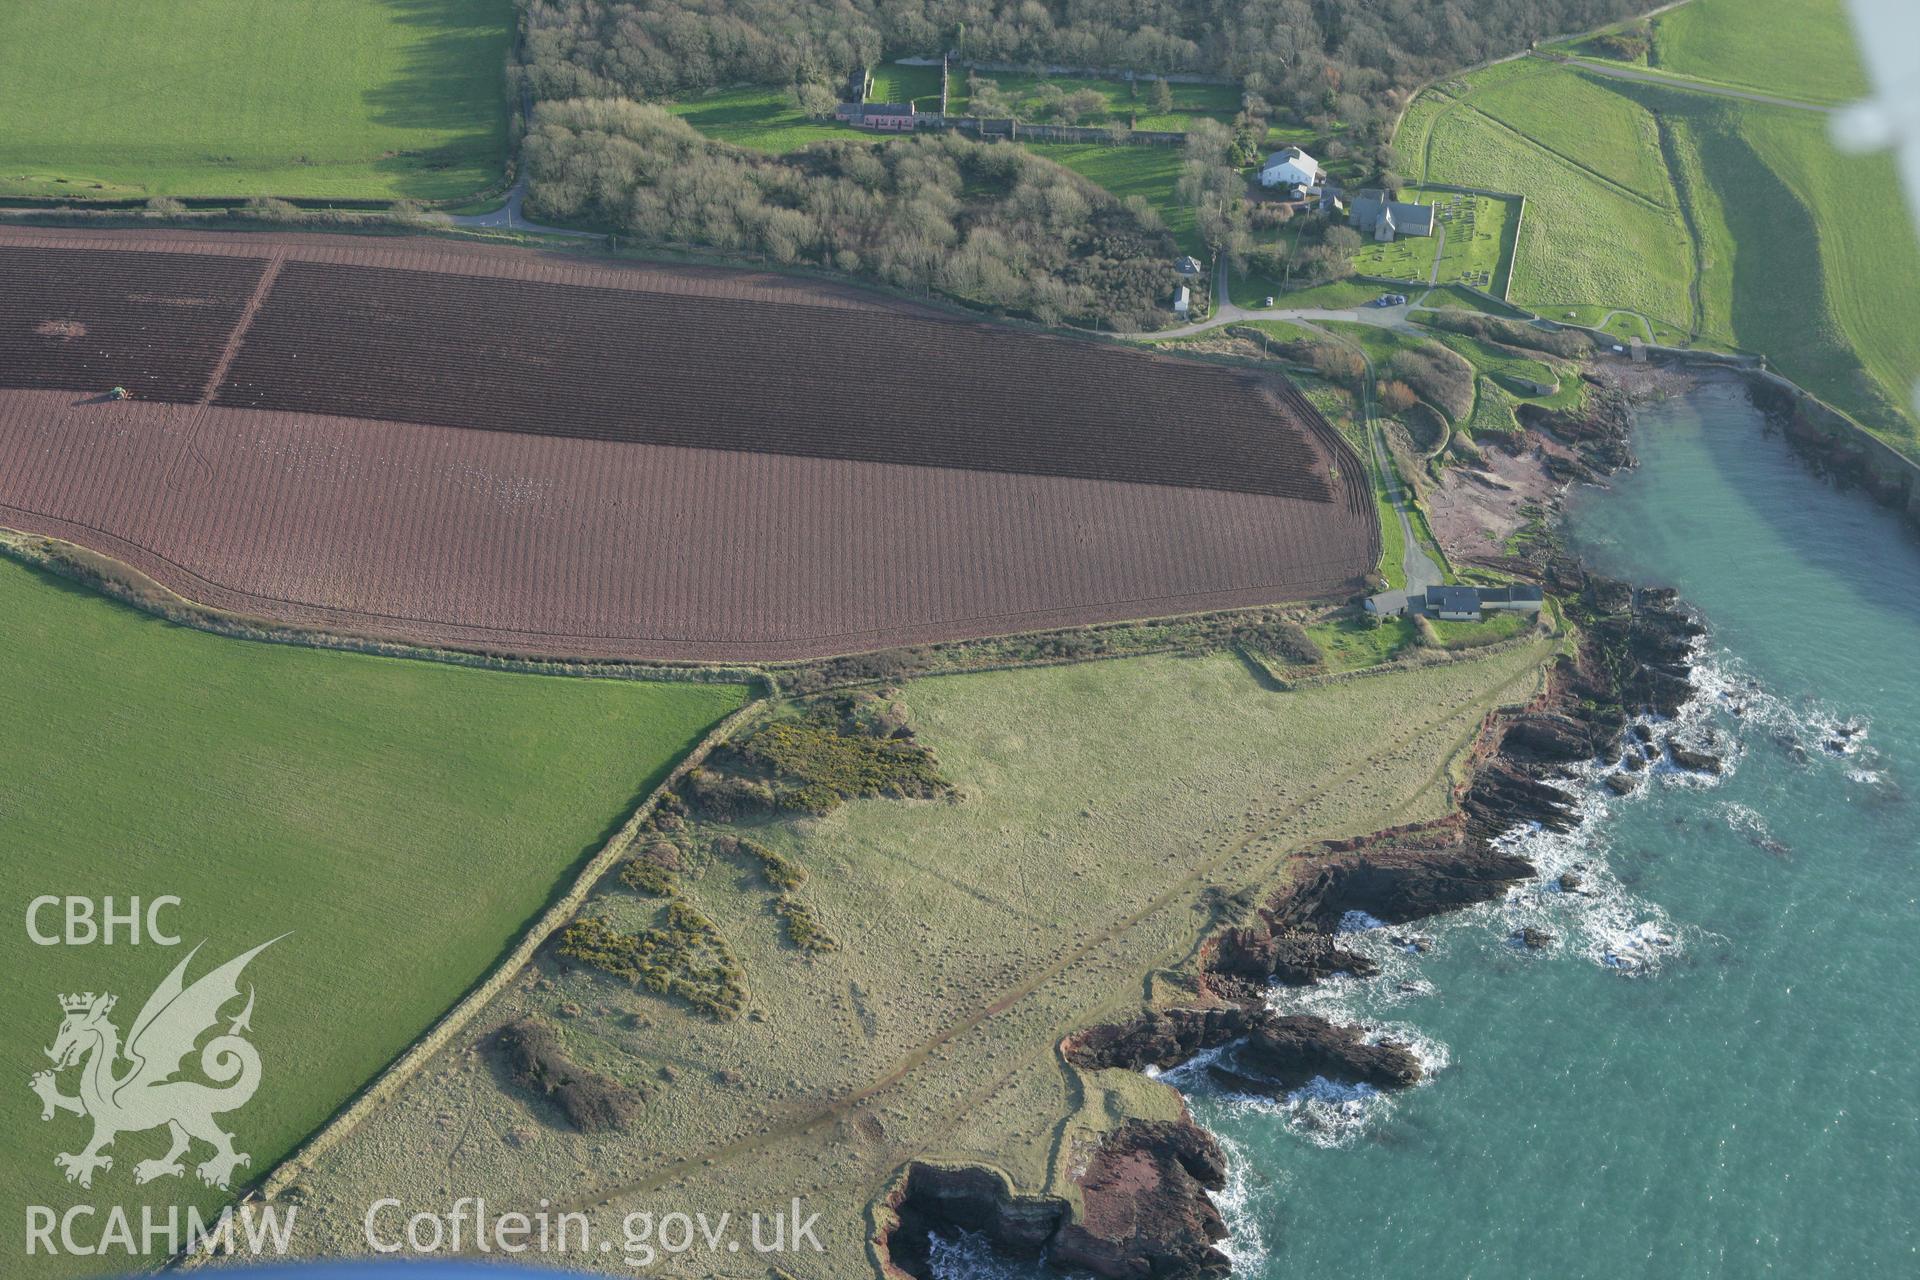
(1656, 211)
(1492, 409)
(1584, 123)
(1100, 811)
(1805, 254)
(401, 820)
(1508, 367)
(1589, 237)
(758, 117)
(1515, 372)
(342, 98)
(1793, 48)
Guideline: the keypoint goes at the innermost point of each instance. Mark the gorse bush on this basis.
(804, 928)
(685, 956)
(647, 876)
(781, 872)
(824, 758)
(1443, 378)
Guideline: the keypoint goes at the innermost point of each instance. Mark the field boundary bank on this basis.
(1611, 184)
(1422, 656)
(397, 1074)
(128, 585)
(1532, 50)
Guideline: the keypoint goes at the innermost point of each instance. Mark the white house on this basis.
(1182, 301)
(1290, 168)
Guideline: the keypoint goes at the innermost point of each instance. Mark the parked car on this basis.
(1268, 302)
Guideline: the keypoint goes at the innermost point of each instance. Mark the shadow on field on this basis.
(453, 81)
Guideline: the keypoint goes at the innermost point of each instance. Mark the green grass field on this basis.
(1793, 48)
(341, 98)
(1492, 409)
(1585, 123)
(1350, 644)
(895, 83)
(759, 117)
(1511, 369)
(403, 819)
(1805, 254)
(1219, 101)
(1590, 235)
(1147, 172)
(1730, 224)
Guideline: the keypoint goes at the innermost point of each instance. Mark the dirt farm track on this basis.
(545, 454)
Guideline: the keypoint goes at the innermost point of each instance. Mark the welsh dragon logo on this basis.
(145, 1095)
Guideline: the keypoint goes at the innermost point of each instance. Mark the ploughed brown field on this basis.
(545, 454)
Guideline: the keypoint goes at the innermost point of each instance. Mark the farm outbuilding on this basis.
(1182, 301)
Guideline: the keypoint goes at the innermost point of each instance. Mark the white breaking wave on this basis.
(1576, 900)
(1243, 1246)
(968, 1255)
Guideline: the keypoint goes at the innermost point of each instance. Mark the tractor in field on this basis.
(119, 393)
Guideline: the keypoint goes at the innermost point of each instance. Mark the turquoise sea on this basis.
(1713, 1072)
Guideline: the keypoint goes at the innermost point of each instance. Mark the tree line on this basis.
(989, 224)
(1324, 61)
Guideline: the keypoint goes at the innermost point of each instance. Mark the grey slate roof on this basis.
(1413, 219)
(1453, 599)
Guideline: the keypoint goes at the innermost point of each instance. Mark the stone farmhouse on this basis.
(1459, 603)
(891, 117)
